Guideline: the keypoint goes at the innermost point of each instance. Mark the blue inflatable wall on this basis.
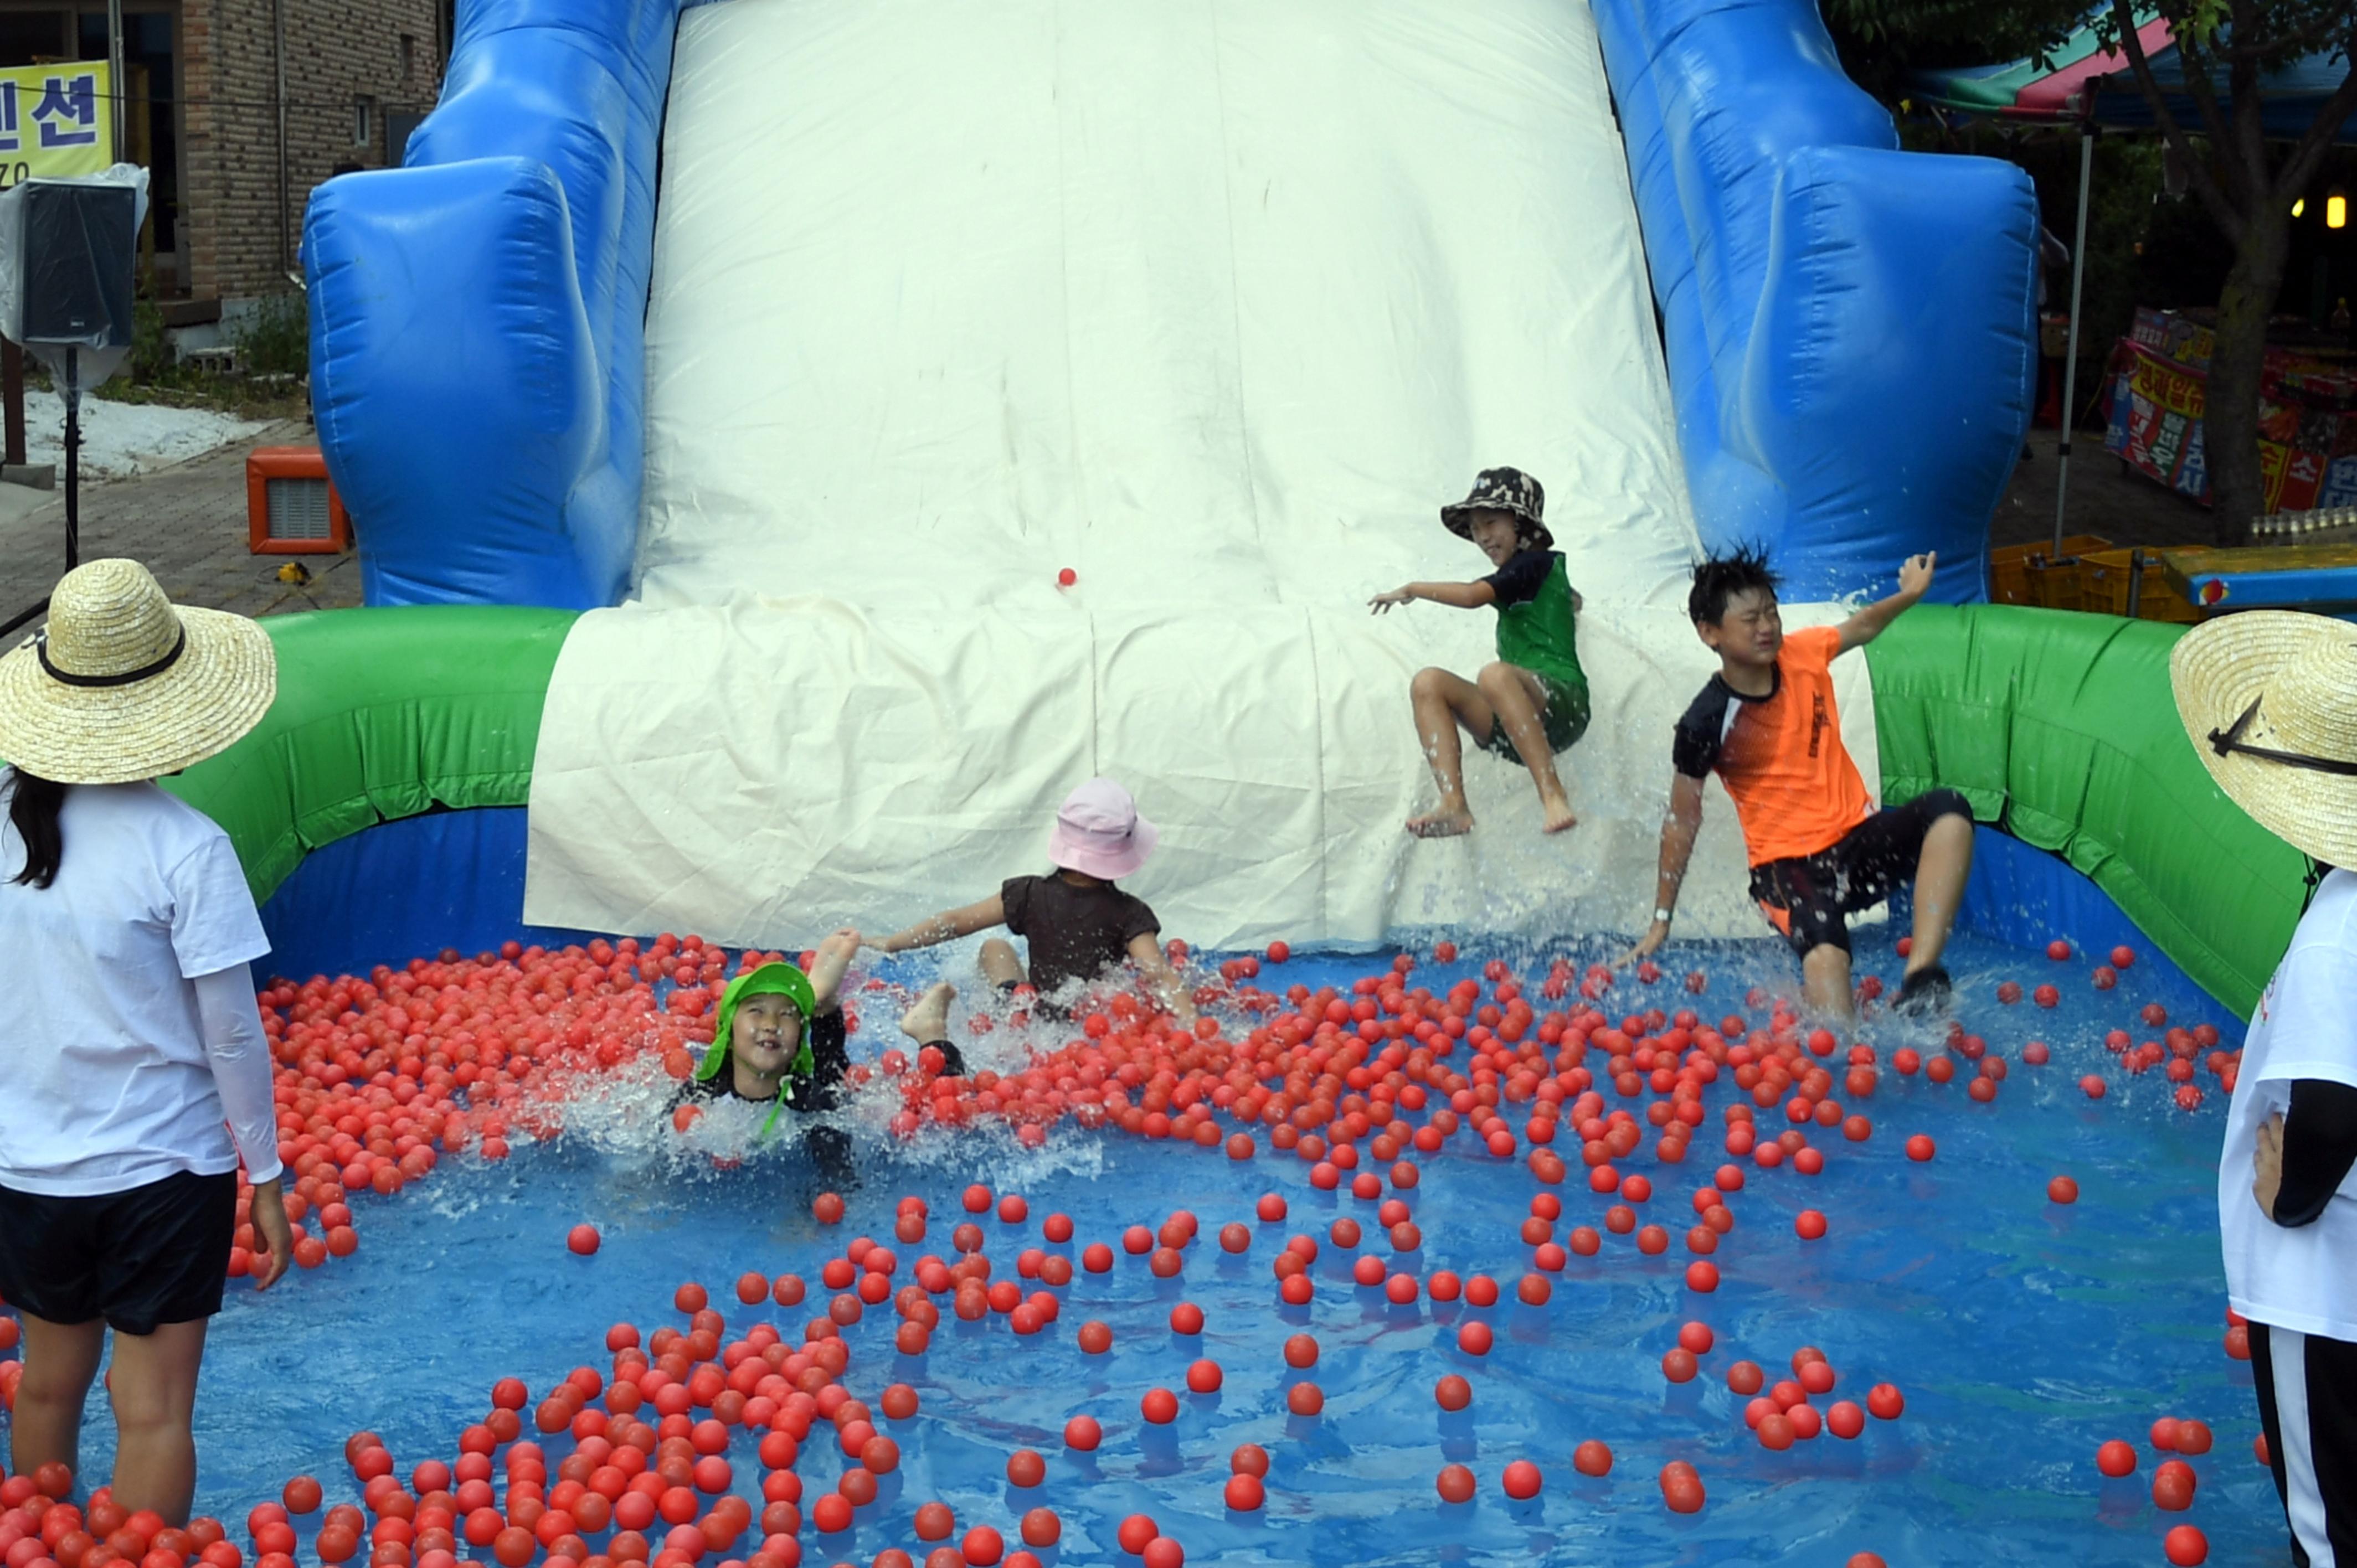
(478, 317)
(1849, 326)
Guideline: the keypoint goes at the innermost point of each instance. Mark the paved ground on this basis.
(2103, 498)
(186, 523)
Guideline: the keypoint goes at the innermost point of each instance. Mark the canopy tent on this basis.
(2086, 83)
(2089, 83)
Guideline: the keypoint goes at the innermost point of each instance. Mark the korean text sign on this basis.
(55, 120)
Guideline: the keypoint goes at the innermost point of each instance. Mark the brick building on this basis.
(238, 108)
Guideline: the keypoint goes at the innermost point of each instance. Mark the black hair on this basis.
(1718, 578)
(34, 805)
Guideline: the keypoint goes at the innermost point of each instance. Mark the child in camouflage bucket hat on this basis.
(1531, 704)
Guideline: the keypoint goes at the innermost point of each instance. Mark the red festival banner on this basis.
(2307, 417)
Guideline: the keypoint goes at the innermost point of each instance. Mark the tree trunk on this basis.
(2231, 417)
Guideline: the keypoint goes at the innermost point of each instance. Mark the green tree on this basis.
(2246, 183)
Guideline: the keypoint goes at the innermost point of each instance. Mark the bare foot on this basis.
(1441, 824)
(929, 1020)
(1559, 815)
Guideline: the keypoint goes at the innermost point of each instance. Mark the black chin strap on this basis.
(2229, 742)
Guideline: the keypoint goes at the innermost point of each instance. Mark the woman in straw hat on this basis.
(2270, 700)
(130, 1037)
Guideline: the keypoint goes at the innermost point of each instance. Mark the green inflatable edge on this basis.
(381, 713)
(2057, 726)
(2060, 728)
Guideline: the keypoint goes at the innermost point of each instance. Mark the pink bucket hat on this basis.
(1098, 833)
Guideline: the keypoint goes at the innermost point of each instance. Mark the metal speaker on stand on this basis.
(78, 257)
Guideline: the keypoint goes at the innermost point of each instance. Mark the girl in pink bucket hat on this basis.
(1078, 923)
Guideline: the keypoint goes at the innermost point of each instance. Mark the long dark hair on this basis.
(33, 808)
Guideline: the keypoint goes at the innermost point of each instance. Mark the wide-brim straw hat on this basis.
(122, 684)
(2269, 698)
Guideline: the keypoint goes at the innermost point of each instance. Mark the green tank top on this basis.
(1538, 634)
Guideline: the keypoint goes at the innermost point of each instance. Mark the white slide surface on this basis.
(1213, 302)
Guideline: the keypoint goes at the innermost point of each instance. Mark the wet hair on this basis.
(34, 806)
(1718, 578)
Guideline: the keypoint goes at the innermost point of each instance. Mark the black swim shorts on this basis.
(151, 1255)
(1806, 898)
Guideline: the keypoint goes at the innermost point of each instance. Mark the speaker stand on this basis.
(73, 451)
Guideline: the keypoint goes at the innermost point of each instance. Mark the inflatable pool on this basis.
(790, 445)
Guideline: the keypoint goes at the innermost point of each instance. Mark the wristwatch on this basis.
(1661, 916)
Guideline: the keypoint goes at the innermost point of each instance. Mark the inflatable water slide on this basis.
(792, 442)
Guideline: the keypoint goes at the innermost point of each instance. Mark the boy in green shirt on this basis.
(1532, 703)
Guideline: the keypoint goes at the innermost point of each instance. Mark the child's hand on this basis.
(1382, 602)
(1915, 577)
(2266, 1165)
(1649, 944)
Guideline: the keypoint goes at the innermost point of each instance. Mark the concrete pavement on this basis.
(186, 523)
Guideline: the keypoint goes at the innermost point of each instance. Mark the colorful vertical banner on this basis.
(2308, 416)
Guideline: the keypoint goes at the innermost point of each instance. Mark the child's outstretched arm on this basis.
(1457, 595)
(1146, 952)
(1679, 827)
(1868, 623)
(947, 927)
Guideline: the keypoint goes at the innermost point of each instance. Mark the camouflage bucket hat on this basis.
(1507, 490)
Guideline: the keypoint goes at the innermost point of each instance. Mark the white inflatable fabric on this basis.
(1215, 304)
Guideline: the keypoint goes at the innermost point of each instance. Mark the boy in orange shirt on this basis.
(1819, 852)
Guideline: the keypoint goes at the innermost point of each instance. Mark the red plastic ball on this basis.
(2117, 1458)
(582, 1239)
(2186, 1546)
(2062, 1189)
(1521, 1480)
(1592, 1458)
(1455, 1484)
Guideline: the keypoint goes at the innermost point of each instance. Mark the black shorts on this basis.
(1806, 898)
(154, 1254)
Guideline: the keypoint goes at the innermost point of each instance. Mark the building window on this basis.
(408, 56)
(363, 121)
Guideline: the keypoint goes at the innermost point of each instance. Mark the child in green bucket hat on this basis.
(778, 1035)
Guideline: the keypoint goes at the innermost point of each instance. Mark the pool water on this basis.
(2022, 1333)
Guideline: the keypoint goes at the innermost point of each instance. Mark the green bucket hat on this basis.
(770, 980)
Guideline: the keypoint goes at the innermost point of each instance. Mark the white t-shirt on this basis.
(2300, 1277)
(109, 1081)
